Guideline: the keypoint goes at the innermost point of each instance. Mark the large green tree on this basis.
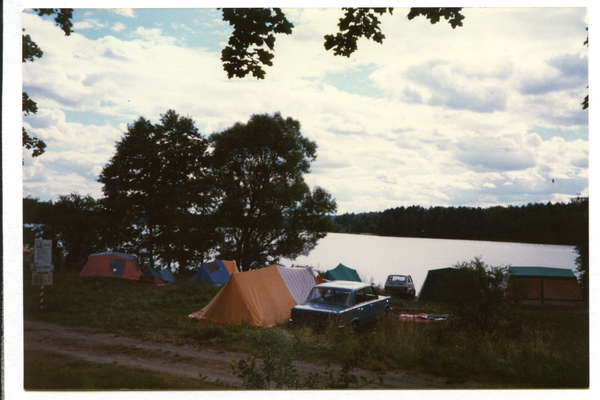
(158, 192)
(266, 210)
(31, 51)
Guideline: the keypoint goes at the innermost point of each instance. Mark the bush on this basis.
(477, 294)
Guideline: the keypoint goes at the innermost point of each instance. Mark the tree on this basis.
(257, 26)
(78, 223)
(158, 192)
(266, 210)
(477, 294)
(75, 224)
(582, 246)
(31, 51)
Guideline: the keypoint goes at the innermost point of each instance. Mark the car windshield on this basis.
(397, 278)
(340, 297)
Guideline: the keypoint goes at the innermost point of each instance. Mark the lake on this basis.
(376, 257)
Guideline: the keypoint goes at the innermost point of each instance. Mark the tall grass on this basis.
(537, 347)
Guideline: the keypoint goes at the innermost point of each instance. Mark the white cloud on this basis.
(124, 12)
(451, 128)
(118, 27)
(88, 24)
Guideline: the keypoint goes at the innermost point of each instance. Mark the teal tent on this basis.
(341, 273)
(149, 274)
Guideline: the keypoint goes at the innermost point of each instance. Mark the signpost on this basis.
(42, 267)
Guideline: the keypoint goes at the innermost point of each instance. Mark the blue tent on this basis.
(215, 273)
(166, 275)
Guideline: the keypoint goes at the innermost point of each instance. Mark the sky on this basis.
(482, 115)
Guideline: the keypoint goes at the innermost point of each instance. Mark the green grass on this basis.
(537, 347)
(46, 370)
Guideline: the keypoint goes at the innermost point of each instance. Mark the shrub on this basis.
(477, 294)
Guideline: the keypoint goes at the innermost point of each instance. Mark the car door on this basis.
(362, 308)
(373, 303)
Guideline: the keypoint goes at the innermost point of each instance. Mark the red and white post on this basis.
(41, 297)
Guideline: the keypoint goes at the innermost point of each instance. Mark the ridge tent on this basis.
(262, 297)
(167, 275)
(545, 286)
(430, 291)
(341, 273)
(112, 265)
(214, 273)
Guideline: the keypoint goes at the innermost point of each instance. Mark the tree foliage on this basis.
(356, 23)
(256, 26)
(476, 293)
(559, 223)
(450, 14)
(265, 208)
(75, 223)
(31, 51)
(158, 192)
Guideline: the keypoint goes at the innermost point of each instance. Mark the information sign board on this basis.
(41, 278)
(42, 251)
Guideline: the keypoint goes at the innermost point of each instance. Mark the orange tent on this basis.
(262, 297)
(112, 265)
(27, 257)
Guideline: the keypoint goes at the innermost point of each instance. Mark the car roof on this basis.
(351, 285)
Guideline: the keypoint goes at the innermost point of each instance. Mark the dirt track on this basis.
(184, 360)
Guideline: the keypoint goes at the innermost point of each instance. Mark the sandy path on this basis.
(183, 360)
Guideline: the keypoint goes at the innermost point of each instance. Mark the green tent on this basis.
(431, 289)
(151, 275)
(341, 273)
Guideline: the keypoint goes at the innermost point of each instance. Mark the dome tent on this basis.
(214, 273)
(112, 265)
(341, 273)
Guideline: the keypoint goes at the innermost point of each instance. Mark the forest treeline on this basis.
(560, 223)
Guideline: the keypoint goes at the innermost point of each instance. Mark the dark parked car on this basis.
(343, 303)
(402, 285)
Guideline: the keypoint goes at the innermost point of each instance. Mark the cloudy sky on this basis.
(481, 115)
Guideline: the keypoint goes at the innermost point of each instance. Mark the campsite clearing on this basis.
(183, 360)
(528, 351)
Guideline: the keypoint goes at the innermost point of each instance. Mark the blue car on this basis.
(342, 303)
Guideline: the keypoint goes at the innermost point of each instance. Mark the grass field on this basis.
(538, 347)
(49, 371)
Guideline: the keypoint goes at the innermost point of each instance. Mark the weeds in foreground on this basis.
(280, 373)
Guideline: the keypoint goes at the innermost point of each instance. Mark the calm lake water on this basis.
(376, 257)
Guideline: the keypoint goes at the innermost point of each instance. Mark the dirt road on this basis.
(184, 360)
